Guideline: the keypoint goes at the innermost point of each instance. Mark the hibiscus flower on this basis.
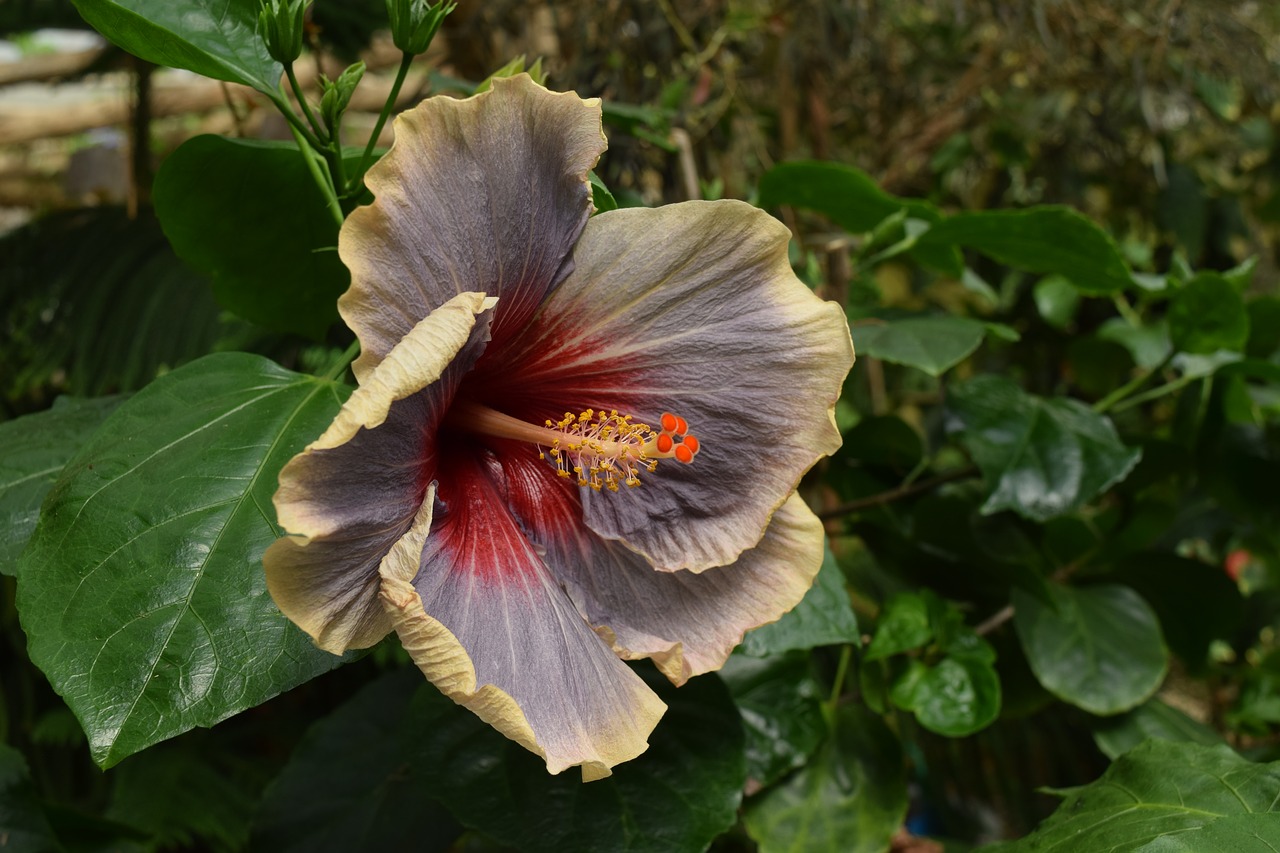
(575, 440)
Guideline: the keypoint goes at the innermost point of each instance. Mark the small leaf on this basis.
(851, 798)
(932, 344)
(1117, 735)
(824, 617)
(142, 591)
(601, 198)
(957, 696)
(852, 200)
(1040, 457)
(903, 626)
(247, 213)
(679, 795)
(353, 784)
(216, 38)
(1207, 314)
(1162, 796)
(23, 824)
(1057, 300)
(1097, 647)
(33, 450)
(778, 698)
(1049, 240)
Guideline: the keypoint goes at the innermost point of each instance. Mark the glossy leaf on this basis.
(142, 592)
(1041, 457)
(355, 781)
(23, 824)
(778, 698)
(247, 213)
(679, 795)
(903, 626)
(33, 450)
(1206, 315)
(1117, 735)
(1170, 798)
(932, 344)
(216, 38)
(957, 696)
(1098, 648)
(851, 798)
(824, 617)
(1050, 240)
(852, 200)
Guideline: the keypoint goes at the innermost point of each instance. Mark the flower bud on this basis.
(414, 23)
(511, 69)
(337, 95)
(280, 25)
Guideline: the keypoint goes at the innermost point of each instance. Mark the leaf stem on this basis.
(321, 177)
(295, 123)
(897, 493)
(405, 61)
(1157, 392)
(302, 102)
(1104, 405)
(837, 685)
(336, 369)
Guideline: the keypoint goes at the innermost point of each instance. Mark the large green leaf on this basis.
(23, 824)
(33, 450)
(142, 593)
(1041, 457)
(824, 617)
(851, 798)
(852, 200)
(778, 698)
(1097, 647)
(1117, 735)
(1207, 314)
(247, 213)
(679, 795)
(216, 38)
(933, 344)
(1049, 240)
(355, 782)
(1163, 797)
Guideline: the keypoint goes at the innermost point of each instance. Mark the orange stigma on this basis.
(601, 449)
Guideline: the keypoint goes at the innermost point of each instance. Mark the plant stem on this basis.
(336, 369)
(295, 123)
(1157, 392)
(405, 61)
(321, 134)
(1104, 405)
(896, 494)
(837, 686)
(321, 177)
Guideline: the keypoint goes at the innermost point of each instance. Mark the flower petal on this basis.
(687, 622)
(693, 309)
(355, 490)
(487, 624)
(487, 194)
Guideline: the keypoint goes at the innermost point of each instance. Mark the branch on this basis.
(896, 494)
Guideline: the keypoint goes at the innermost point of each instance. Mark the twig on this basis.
(896, 494)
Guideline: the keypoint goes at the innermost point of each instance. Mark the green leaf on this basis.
(142, 593)
(247, 213)
(679, 795)
(1040, 457)
(1048, 240)
(1264, 326)
(600, 195)
(216, 38)
(355, 782)
(1163, 797)
(852, 200)
(1117, 735)
(1097, 647)
(851, 798)
(955, 697)
(23, 824)
(1149, 345)
(932, 344)
(1207, 314)
(824, 617)
(33, 450)
(779, 700)
(903, 626)
(1057, 300)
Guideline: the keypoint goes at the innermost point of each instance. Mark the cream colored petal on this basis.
(477, 610)
(692, 309)
(484, 194)
(353, 492)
